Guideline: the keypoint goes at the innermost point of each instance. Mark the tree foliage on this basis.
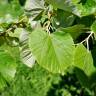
(57, 35)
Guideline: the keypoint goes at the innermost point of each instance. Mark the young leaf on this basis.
(53, 51)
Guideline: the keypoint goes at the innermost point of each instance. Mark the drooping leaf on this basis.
(83, 60)
(54, 52)
(25, 54)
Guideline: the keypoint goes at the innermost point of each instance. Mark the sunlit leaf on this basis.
(83, 60)
(54, 52)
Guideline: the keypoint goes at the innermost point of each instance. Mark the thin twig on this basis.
(13, 27)
(86, 40)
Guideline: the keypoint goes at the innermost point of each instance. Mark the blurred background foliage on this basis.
(10, 8)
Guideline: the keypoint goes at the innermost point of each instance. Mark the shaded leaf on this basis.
(75, 30)
(83, 78)
(66, 20)
(34, 8)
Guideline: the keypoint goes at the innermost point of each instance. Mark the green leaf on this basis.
(75, 30)
(7, 68)
(12, 41)
(83, 78)
(66, 20)
(12, 51)
(16, 33)
(9, 57)
(34, 8)
(75, 1)
(93, 27)
(53, 51)
(2, 82)
(88, 8)
(83, 60)
(2, 40)
(8, 10)
(7, 65)
(75, 7)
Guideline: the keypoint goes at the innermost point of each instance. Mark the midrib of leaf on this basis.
(54, 50)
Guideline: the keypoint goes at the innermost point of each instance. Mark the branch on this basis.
(86, 40)
(13, 27)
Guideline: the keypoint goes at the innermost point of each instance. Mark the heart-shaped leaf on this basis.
(53, 51)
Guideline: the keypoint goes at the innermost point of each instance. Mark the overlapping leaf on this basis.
(34, 8)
